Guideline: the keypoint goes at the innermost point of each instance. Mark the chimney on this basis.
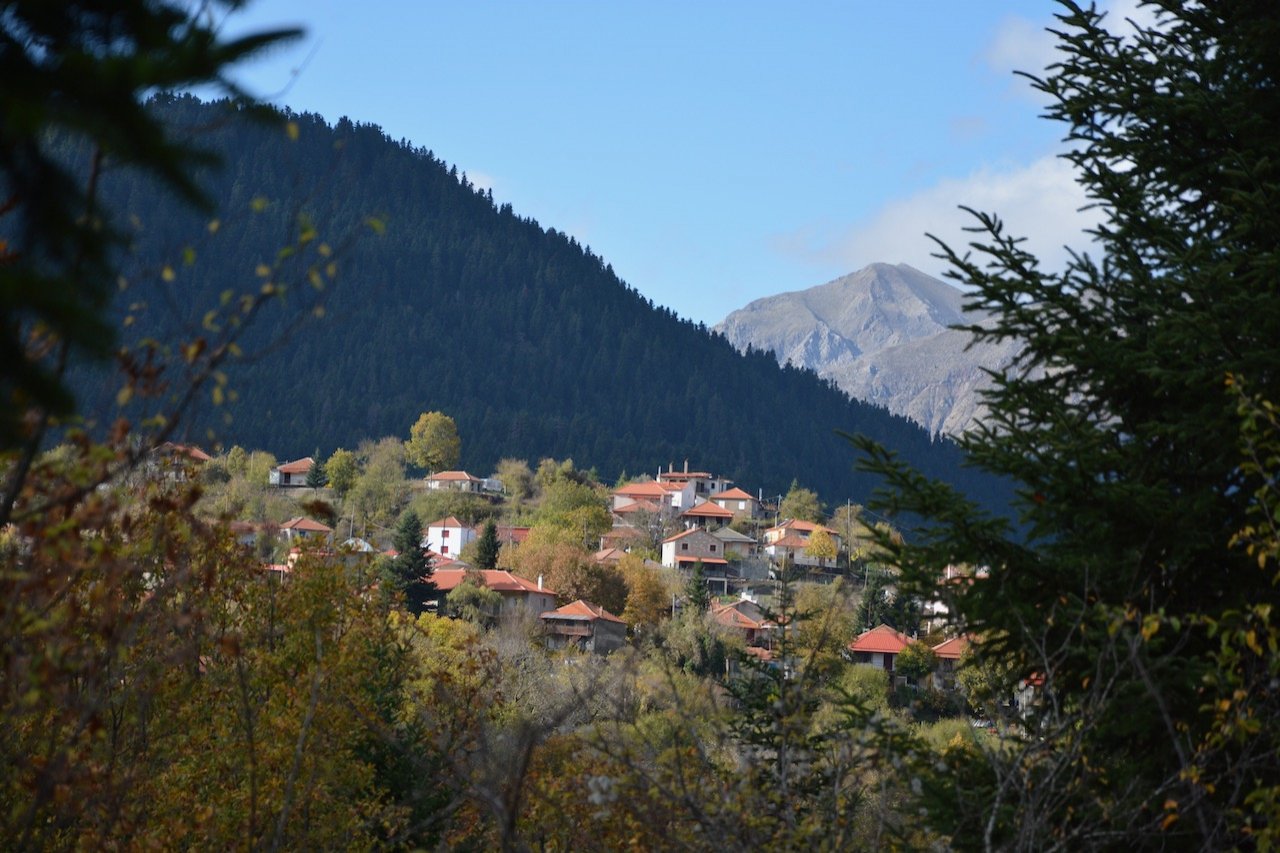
(686, 466)
(539, 581)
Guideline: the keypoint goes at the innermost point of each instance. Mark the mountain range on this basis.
(883, 335)
(528, 339)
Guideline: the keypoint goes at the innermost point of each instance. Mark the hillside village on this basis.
(589, 566)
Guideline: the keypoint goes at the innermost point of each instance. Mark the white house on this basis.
(455, 481)
(448, 536)
(703, 483)
(291, 474)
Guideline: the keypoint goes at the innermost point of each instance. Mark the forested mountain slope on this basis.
(525, 337)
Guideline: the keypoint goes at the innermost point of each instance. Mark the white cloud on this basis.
(1040, 202)
(480, 180)
(1022, 44)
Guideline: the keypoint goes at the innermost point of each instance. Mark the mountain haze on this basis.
(529, 340)
(881, 334)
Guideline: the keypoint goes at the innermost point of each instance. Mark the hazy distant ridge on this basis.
(882, 335)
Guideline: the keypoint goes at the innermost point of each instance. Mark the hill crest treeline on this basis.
(525, 337)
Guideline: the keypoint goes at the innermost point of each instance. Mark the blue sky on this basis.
(715, 152)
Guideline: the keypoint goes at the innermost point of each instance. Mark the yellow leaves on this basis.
(291, 129)
(214, 225)
(259, 204)
(1150, 625)
(262, 270)
(1251, 640)
(124, 395)
(167, 274)
(376, 225)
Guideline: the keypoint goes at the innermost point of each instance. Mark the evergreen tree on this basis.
(316, 476)
(1115, 590)
(409, 572)
(696, 593)
(487, 547)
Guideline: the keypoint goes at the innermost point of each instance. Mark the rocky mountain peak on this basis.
(883, 335)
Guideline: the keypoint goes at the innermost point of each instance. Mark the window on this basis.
(444, 534)
(684, 546)
(713, 549)
(444, 549)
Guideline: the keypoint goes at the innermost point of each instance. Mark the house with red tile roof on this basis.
(454, 481)
(448, 536)
(704, 483)
(624, 537)
(585, 625)
(745, 617)
(624, 511)
(684, 549)
(879, 647)
(291, 474)
(741, 504)
(665, 496)
(300, 529)
(789, 541)
(516, 592)
(948, 653)
(707, 515)
(696, 545)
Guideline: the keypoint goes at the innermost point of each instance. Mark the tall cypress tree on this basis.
(487, 547)
(696, 592)
(410, 570)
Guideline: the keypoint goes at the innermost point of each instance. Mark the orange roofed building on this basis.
(291, 474)
(586, 625)
(879, 647)
(516, 592)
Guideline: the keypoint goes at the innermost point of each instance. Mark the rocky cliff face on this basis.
(882, 335)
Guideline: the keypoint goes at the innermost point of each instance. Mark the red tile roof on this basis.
(582, 610)
(734, 494)
(789, 541)
(648, 489)
(609, 555)
(188, 450)
(881, 638)
(451, 521)
(638, 506)
(496, 579)
(731, 616)
(297, 466)
(309, 525)
(708, 510)
(455, 476)
(951, 649)
(802, 526)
